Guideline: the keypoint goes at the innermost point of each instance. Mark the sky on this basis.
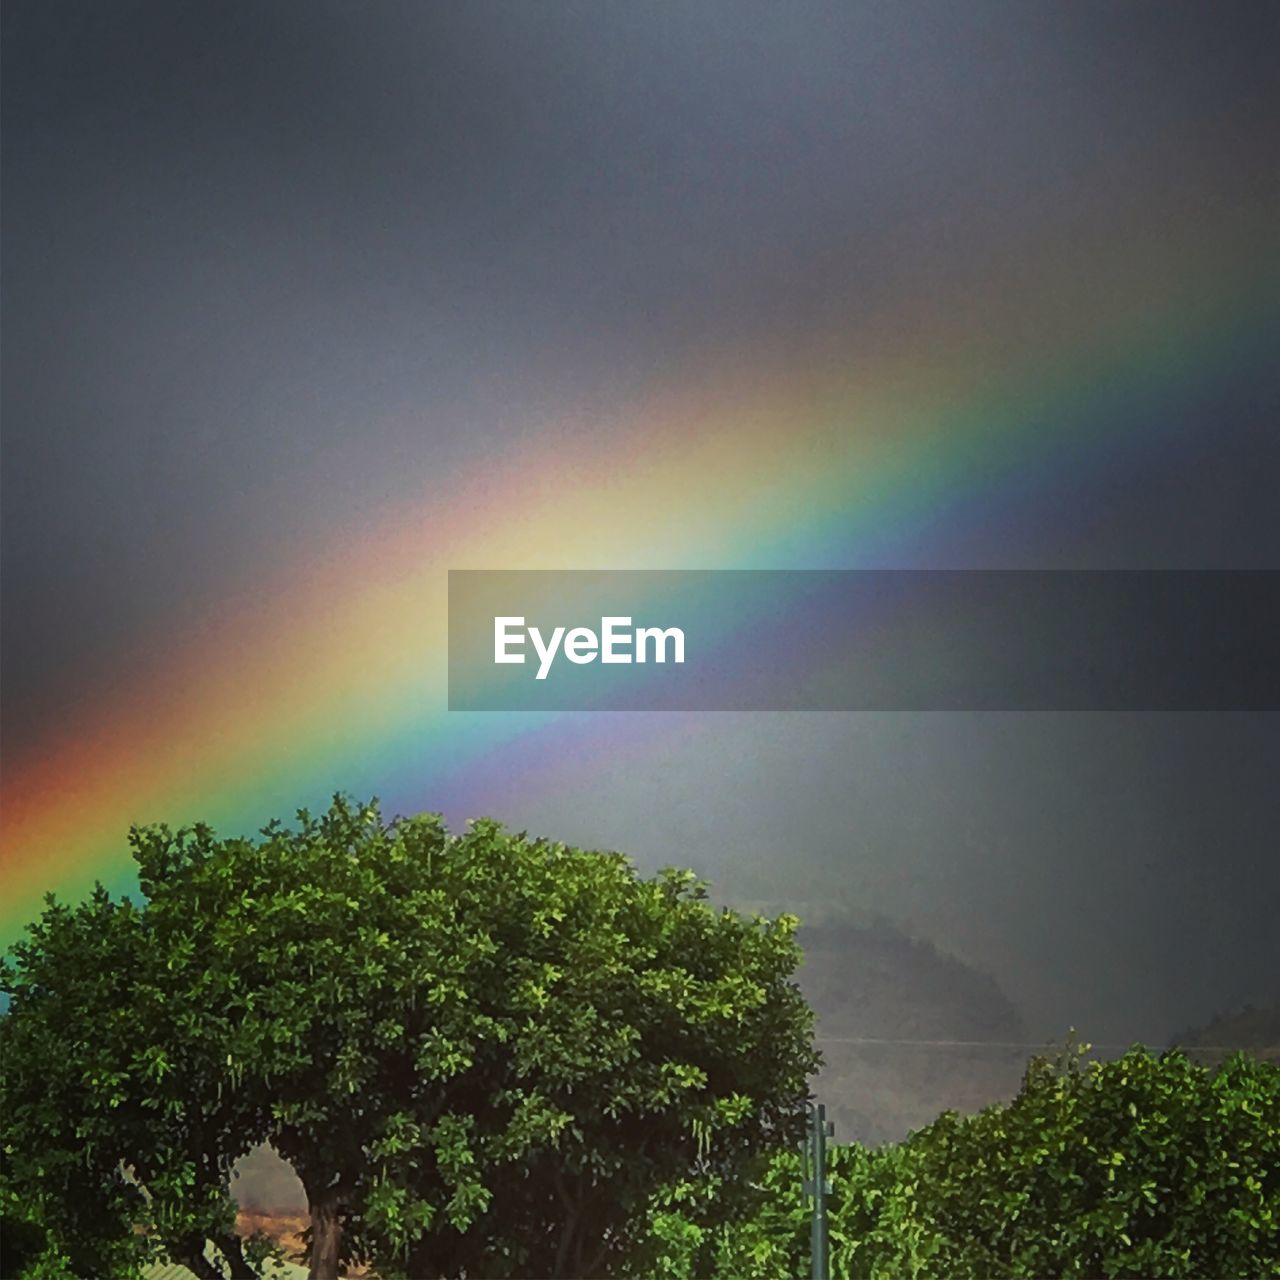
(306, 304)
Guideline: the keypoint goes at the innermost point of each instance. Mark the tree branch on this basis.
(232, 1248)
(191, 1255)
(569, 1229)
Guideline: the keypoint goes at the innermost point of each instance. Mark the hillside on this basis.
(871, 982)
(1255, 1028)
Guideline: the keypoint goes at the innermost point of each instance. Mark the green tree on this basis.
(481, 1053)
(1146, 1166)
(106, 1159)
(647, 1039)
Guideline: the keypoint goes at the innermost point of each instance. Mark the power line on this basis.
(1027, 1044)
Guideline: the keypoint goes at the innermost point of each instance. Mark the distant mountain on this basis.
(906, 1030)
(1255, 1028)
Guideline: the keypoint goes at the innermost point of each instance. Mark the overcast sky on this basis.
(271, 266)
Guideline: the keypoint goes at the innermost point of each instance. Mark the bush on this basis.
(1148, 1166)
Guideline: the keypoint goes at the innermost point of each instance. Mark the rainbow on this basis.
(884, 447)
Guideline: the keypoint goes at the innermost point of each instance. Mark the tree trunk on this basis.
(567, 1239)
(326, 1236)
(569, 1226)
(233, 1251)
(191, 1256)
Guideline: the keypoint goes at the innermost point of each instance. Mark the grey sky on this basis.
(271, 267)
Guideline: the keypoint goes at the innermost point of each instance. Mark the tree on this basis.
(101, 1138)
(481, 1053)
(1146, 1166)
(648, 1039)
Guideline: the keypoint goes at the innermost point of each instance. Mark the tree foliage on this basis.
(1146, 1166)
(482, 1054)
(106, 1159)
(487, 1055)
(1143, 1166)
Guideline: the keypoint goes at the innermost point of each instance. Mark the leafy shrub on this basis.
(1147, 1166)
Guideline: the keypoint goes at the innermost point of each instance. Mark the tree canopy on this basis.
(487, 1055)
(483, 1054)
(1145, 1166)
(101, 1132)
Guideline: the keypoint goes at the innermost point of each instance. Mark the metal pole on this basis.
(817, 1188)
